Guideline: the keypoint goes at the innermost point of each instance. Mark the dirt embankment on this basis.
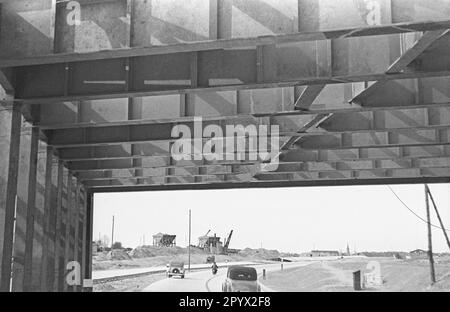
(151, 256)
(337, 275)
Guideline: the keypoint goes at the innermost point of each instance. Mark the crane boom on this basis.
(227, 243)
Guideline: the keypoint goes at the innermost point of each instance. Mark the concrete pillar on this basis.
(47, 243)
(61, 227)
(89, 237)
(68, 246)
(55, 225)
(26, 191)
(84, 235)
(224, 19)
(10, 123)
(138, 36)
(38, 236)
(55, 220)
(76, 223)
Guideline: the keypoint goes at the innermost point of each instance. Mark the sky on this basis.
(299, 219)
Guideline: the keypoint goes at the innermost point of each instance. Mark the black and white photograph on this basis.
(202, 149)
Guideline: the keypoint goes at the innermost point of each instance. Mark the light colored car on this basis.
(241, 279)
(175, 268)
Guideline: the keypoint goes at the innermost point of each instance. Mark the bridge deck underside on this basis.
(365, 102)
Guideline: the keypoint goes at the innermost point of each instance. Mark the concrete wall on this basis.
(27, 28)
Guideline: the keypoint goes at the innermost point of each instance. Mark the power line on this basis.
(412, 211)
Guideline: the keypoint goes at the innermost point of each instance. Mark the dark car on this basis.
(175, 268)
(241, 279)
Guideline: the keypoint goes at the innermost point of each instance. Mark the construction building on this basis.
(358, 91)
(213, 244)
(164, 240)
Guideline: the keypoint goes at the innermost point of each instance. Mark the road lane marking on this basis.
(208, 281)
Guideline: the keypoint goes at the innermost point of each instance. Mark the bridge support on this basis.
(26, 196)
(10, 121)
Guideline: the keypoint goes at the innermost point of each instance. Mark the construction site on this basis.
(112, 96)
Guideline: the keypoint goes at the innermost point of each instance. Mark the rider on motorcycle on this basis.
(214, 267)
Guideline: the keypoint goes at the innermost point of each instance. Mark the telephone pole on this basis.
(438, 215)
(112, 234)
(430, 241)
(189, 246)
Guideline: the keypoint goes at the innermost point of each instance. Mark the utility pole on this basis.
(438, 215)
(112, 234)
(430, 241)
(189, 246)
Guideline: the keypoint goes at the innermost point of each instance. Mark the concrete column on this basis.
(224, 22)
(38, 235)
(68, 249)
(61, 223)
(47, 243)
(138, 36)
(224, 19)
(52, 237)
(84, 235)
(10, 123)
(55, 226)
(76, 223)
(26, 190)
(89, 236)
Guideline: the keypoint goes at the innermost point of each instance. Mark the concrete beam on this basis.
(103, 74)
(165, 151)
(402, 63)
(413, 175)
(266, 184)
(386, 174)
(308, 96)
(293, 156)
(310, 168)
(416, 118)
(324, 109)
(5, 83)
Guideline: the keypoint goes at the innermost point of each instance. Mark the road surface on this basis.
(204, 281)
(109, 274)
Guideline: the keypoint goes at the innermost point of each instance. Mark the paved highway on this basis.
(109, 274)
(204, 281)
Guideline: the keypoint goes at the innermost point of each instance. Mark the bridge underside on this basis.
(359, 92)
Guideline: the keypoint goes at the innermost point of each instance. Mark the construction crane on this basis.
(227, 242)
